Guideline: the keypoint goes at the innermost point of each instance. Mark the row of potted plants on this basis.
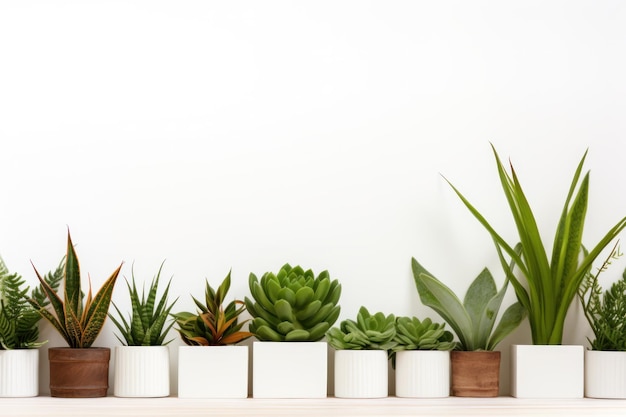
(294, 307)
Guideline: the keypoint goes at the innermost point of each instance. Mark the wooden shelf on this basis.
(335, 407)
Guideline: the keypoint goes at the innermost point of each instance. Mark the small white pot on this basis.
(289, 369)
(361, 374)
(213, 372)
(605, 374)
(547, 371)
(19, 373)
(142, 371)
(423, 374)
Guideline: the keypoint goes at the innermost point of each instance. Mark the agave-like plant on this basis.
(18, 319)
(213, 325)
(146, 326)
(294, 305)
(78, 321)
(473, 319)
(413, 334)
(369, 332)
(551, 283)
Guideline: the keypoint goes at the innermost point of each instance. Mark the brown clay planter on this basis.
(475, 374)
(79, 373)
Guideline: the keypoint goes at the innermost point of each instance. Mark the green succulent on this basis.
(413, 334)
(368, 332)
(213, 325)
(147, 324)
(293, 305)
(18, 319)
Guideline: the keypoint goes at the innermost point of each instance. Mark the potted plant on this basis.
(421, 358)
(210, 338)
(79, 370)
(291, 312)
(475, 365)
(605, 363)
(546, 285)
(19, 333)
(142, 363)
(361, 354)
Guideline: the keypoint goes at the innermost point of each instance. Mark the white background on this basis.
(243, 135)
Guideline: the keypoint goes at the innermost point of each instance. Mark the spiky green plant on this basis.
(293, 305)
(213, 325)
(368, 332)
(78, 320)
(472, 320)
(413, 334)
(605, 310)
(18, 319)
(146, 325)
(546, 287)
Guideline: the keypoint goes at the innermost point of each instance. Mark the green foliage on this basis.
(473, 320)
(413, 334)
(550, 285)
(368, 332)
(78, 321)
(213, 325)
(18, 319)
(606, 313)
(293, 305)
(146, 325)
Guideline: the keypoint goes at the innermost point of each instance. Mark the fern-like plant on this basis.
(78, 320)
(147, 324)
(18, 319)
(213, 324)
(605, 310)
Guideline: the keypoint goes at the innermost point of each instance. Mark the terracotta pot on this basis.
(79, 373)
(475, 374)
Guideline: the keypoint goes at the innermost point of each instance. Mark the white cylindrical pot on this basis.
(423, 374)
(142, 371)
(361, 374)
(605, 374)
(19, 373)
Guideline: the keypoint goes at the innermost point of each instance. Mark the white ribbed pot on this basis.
(605, 374)
(361, 374)
(213, 371)
(142, 371)
(547, 371)
(289, 369)
(19, 373)
(423, 374)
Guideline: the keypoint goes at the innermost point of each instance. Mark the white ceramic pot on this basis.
(547, 371)
(605, 374)
(361, 374)
(19, 373)
(289, 369)
(213, 371)
(423, 374)
(142, 371)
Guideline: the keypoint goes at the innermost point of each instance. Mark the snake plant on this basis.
(18, 319)
(213, 325)
(147, 324)
(548, 284)
(79, 320)
(369, 332)
(293, 305)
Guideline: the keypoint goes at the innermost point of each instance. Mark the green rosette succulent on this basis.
(368, 332)
(413, 334)
(293, 305)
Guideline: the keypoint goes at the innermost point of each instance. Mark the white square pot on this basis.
(142, 371)
(213, 372)
(289, 369)
(605, 374)
(361, 374)
(547, 371)
(423, 374)
(19, 373)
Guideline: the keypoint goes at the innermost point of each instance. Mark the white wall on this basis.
(244, 135)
